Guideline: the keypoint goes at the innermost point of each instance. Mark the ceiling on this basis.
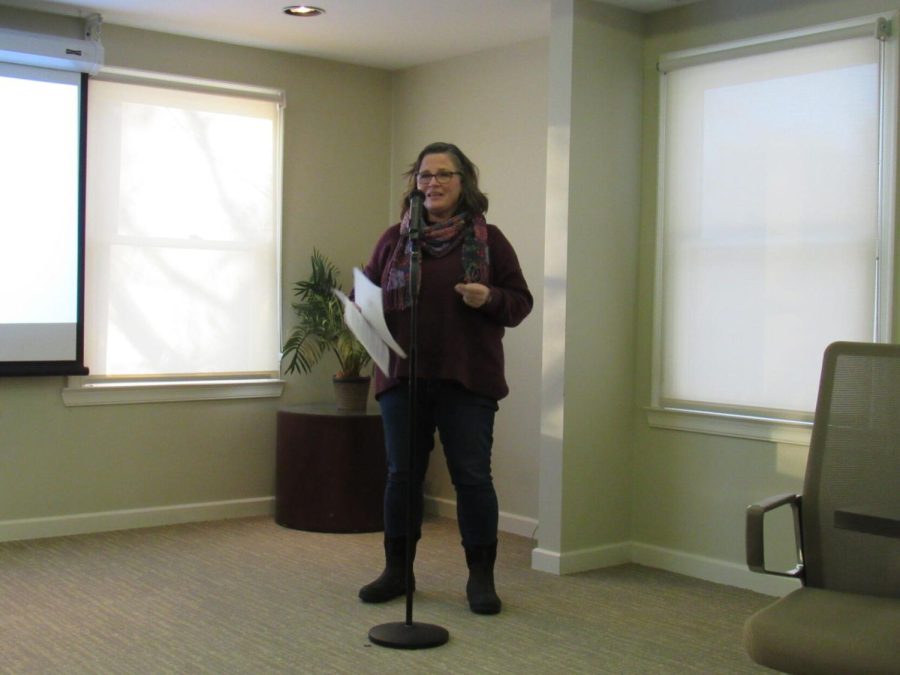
(388, 34)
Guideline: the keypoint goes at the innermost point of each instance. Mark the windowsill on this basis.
(735, 426)
(85, 391)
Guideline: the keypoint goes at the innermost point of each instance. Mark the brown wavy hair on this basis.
(471, 199)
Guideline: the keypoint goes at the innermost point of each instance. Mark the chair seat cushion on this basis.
(813, 630)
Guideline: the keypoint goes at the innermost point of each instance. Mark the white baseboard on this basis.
(542, 560)
(699, 567)
(84, 523)
(509, 522)
(572, 562)
(711, 569)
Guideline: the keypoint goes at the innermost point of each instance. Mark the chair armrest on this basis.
(756, 554)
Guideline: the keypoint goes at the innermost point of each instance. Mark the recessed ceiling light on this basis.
(303, 10)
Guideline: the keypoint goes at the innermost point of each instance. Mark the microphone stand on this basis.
(410, 635)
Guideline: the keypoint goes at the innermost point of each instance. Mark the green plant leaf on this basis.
(320, 324)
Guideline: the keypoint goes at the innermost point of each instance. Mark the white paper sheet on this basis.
(365, 319)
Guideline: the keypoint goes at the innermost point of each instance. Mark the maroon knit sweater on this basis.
(456, 342)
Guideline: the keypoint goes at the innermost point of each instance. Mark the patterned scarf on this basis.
(438, 239)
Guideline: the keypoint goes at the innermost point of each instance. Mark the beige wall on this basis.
(691, 490)
(493, 105)
(591, 269)
(613, 490)
(565, 134)
(65, 469)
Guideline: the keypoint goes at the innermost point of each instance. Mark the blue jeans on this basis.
(465, 422)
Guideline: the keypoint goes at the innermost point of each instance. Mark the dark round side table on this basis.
(329, 469)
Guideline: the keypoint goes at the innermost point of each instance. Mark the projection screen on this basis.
(41, 221)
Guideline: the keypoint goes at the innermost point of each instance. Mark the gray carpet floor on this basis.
(248, 596)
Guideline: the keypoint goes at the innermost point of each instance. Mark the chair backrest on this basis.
(851, 492)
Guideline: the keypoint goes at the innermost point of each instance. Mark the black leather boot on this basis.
(480, 588)
(392, 582)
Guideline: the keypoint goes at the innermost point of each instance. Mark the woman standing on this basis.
(471, 288)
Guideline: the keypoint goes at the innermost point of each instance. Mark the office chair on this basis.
(846, 616)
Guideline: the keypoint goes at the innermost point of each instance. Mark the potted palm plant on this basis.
(320, 329)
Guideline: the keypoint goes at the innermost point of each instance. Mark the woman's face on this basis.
(440, 200)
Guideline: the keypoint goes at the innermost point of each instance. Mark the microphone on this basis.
(416, 201)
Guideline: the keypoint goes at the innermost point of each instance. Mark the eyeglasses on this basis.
(442, 177)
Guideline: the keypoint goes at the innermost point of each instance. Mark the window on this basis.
(182, 241)
(775, 217)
